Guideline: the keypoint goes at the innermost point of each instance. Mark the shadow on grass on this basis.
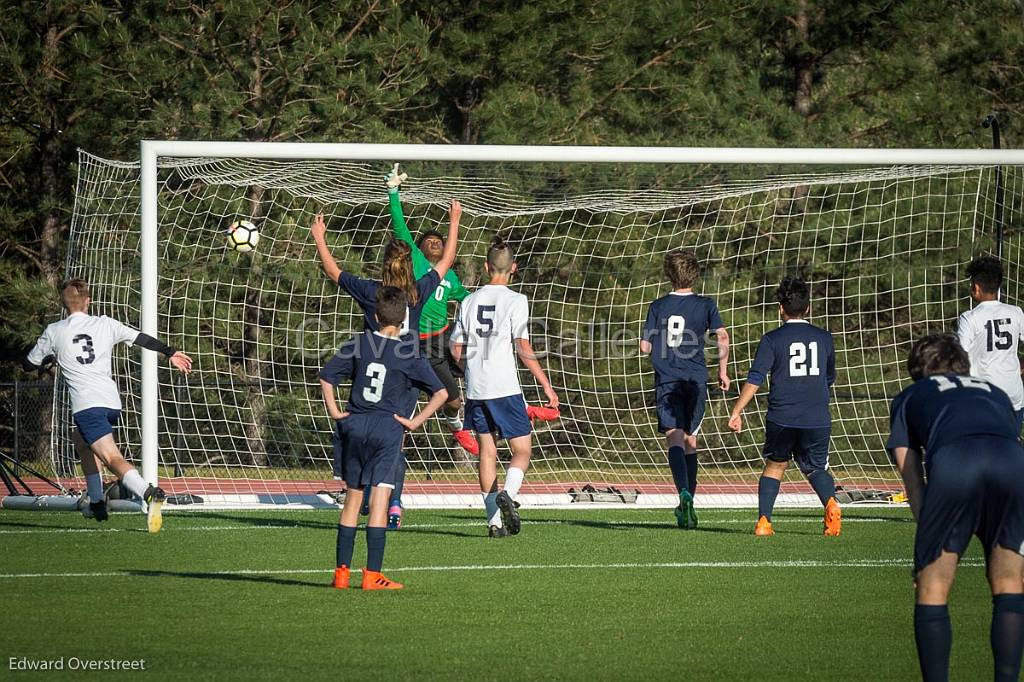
(267, 522)
(668, 525)
(237, 577)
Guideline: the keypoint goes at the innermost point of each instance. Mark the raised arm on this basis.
(451, 246)
(524, 349)
(327, 262)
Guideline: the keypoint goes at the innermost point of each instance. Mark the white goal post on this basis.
(933, 162)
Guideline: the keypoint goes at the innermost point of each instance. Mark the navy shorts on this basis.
(1020, 418)
(503, 417)
(809, 447)
(370, 447)
(680, 405)
(975, 487)
(95, 422)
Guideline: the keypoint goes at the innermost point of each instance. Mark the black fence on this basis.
(26, 410)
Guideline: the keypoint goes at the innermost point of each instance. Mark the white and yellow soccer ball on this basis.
(243, 236)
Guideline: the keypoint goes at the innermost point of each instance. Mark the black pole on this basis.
(992, 121)
(17, 421)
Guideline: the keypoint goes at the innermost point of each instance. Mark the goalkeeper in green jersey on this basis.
(434, 326)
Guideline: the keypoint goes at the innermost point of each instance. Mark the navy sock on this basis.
(934, 635)
(375, 540)
(1007, 634)
(691, 473)
(823, 483)
(346, 544)
(396, 494)
(677, 463)
(767, 491)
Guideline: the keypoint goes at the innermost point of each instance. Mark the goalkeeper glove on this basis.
(394, 178)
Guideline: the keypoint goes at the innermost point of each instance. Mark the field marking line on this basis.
(796, 563)
(462, 524)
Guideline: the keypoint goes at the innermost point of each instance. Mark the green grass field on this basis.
(616, 594)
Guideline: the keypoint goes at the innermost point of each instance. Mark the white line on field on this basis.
(798, 563)
(464, 524)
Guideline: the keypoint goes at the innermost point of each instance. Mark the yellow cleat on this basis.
(764, 527)
(833, 518)
(154, 499)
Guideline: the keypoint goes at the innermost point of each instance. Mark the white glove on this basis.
(394, 178)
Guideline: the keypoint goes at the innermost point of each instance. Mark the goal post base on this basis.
(60, 503)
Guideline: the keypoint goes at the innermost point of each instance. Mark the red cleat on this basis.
(375, 580)
(544, 414)
(466, 440)
(341, 577)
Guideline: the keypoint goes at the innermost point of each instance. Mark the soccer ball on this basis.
(243, 236)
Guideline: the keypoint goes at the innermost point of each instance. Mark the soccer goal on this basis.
(881, 235)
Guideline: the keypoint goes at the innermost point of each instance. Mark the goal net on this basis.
(883, 248)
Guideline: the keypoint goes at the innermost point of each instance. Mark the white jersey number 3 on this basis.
(375, 372)
(803, 359)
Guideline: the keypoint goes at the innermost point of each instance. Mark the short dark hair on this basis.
(794, 296)
(987, 273)
(392, 305)
(681, 268)
(937, 354)
(500, 256)
(74, 291)
(426, 234)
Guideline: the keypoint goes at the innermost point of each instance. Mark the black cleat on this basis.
(98, 510)
(154, 499)
(497, 532)
(509, 512)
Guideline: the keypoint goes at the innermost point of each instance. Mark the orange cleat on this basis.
(764, 527)
(544, 414)
(466, 439)
(341, 575)
(375, 580)
(833, 518)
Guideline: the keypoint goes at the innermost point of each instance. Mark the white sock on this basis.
(134, 482)
(94, 485)
(454, 421)
(492, 511)
(513, 479)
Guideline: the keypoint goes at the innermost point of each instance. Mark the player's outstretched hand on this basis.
(395, 177)
(723, 381)
(319, 228)
(552, 397)
(736, 423)
(182, 362)
(409, 424)
(455, 211)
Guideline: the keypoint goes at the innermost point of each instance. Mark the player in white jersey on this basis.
(82, 346)
(991, 330)
(491, 330)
